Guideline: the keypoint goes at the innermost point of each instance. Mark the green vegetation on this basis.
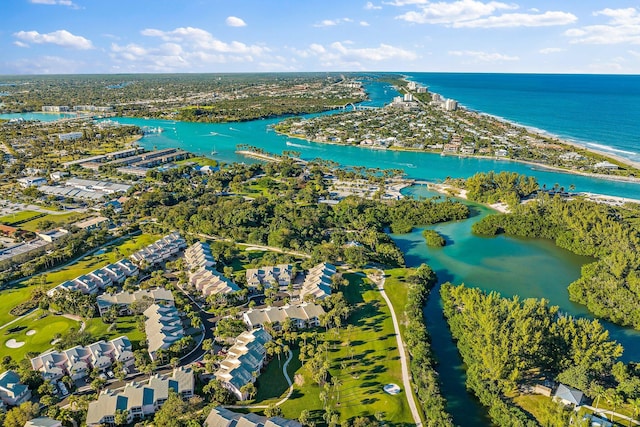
(408, 290)
(47, 327)
(491, 187)
(362, 357)
(18, 218)
(48, 221)
(434, 239)
(508, 342)
(123, 325)
(610, 286)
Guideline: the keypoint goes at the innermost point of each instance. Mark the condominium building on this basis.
(199, 256)
(140, 400)
(78, 361)
(124, 299)
(100, 278)
(222, 417)
(304, 315)
(244, 361)
(12, 391)
(163, 328)
(280, 275)
(317, 282)
(202, 272)
(160, 251)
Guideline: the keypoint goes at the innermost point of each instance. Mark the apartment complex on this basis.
(12, 391)
(140, 400)
(202, 273)
(124, 299)
(161, 250)
(304, 315)
(101, 278)
(222, 417)
(78, 361)
(317, 282)
(244, 361)
(280, 275)
(163, 328)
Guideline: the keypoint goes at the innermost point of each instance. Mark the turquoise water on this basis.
(598, 110)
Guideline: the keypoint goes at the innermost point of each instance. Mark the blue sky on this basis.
(115, 36)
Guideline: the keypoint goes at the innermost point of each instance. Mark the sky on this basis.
(179, 36)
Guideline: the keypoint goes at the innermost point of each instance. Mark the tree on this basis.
(98, 384)
(172, 412)
(304, 417)
(273, 411)
(18, 416)
(249, 389)
(121, 416)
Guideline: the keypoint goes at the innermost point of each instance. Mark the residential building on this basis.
(244, 361)
(140, 400)
(43, 422)
(78, 361)
(12, 391)
(163, 328)
(32, 181)
(222, 417)
(93, 223)
(160, 251)
(602, 165)
(53, 235)
(124, 299)
(268, 276)
(304, 315)
(101, 278)
(317, 282)
(199, 255)
(120, 270)
(69, 136)
(55, 108)
(568, 395)
(450, 105)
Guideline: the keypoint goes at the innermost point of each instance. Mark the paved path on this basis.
(281, 401)
(610, 414)
(406, 378)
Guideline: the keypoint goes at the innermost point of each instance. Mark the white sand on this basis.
(12, 343)
(31, 332)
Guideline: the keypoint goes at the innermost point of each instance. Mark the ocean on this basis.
(599, 111)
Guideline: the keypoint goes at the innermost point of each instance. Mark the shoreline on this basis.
(626, 162)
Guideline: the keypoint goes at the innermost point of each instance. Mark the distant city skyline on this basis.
(165, 36)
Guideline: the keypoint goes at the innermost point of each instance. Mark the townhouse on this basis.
(280, 275)
(317, 282)
(304, 315)
(123, 300)
(12, 391)
(163, 328)
(160, 251)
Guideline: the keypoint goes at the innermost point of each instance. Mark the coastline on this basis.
(623, 160)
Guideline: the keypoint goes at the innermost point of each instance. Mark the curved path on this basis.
(281, 401)
(406, 378)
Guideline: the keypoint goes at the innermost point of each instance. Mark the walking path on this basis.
(281, 401)
(612, 414)
(406, 379)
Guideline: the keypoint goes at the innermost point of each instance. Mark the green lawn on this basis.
(125, 325)
(18, 216)
(53, 220)
(20, 292)
(201, 161)
(271, 384)
(364, 360)
(46, 327)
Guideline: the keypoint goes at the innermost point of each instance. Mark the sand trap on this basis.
(56, 341)
(12, 343)
(31, 332)
(391, 388)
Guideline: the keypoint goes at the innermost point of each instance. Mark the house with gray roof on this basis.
(160, 251)
(317, 282)
(280, 275)
(140, 400)
(163, 328)
(222, 417)
(202, 273)
(244, 361)
(568, 395)
(78, 361)
(12, 391)
(124, 299)
(199, 256)
(303, 315)
(43, 422)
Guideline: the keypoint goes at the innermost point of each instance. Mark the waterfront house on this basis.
(568, 395)
(140, 400)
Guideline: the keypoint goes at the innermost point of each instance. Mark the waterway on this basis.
(511, 266)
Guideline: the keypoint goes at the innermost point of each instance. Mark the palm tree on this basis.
(635, 407)
(598, 391)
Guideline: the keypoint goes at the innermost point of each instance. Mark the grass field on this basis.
(18, 217)
(363, 359)
(271, 384)
(125, 325)
(201, 161)
(53, 220)
(46, 327)
(20, 292)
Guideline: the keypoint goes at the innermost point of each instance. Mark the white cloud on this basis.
(548, 50)
(20, 44)
(483, 56)
(234, 21)
(55, 2)
(332, 22)
(364, 24)
(371, 6)
(61, 38)
(476, 14)
(520, 20)
(623, 26)
(451, 13)
(184, 49)
(43, 65)
(342, 55)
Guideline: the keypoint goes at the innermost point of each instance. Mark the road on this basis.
(406, 377)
